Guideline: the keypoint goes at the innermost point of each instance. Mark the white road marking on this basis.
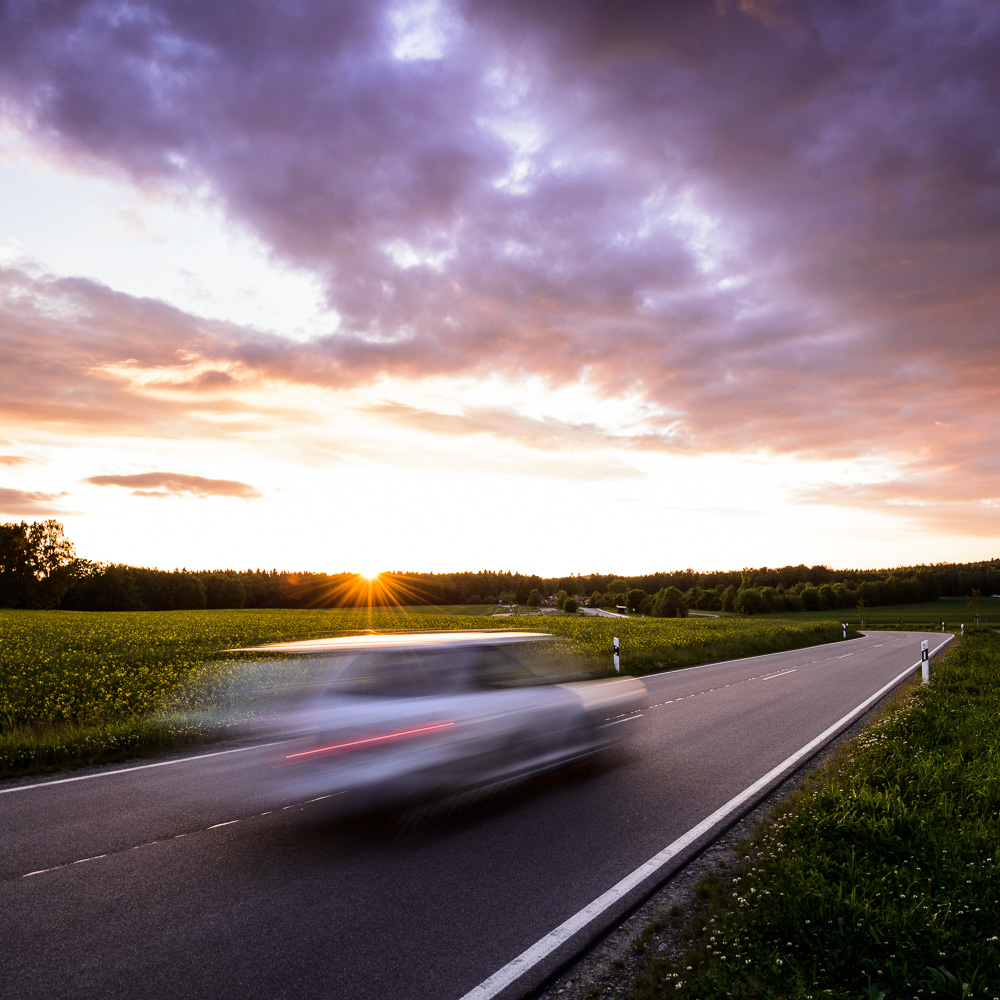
(782, 674)
(544, 947)
(138, 767)
(844, 656)
(176, 836)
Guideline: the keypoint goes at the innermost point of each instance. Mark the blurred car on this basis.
(400, 719)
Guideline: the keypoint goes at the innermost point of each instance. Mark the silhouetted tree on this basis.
(37, 564)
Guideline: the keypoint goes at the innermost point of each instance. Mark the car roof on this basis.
(370, 642)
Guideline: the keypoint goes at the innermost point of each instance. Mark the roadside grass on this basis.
(86, 687)
(880, 878)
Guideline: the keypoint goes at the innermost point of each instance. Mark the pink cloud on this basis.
(164, 484)
(18, 502)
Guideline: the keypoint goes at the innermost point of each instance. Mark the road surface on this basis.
(178, 878)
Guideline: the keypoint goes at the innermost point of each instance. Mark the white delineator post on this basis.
(617, 665)
(925, 662)
(844, 626)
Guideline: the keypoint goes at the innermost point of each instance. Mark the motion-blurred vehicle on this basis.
(400, 719)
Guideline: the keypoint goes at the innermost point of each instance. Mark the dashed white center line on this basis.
(176, 836)
(782, 674)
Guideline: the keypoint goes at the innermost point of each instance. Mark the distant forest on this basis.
(39, 569)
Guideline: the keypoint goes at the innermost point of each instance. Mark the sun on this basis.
(370, 574)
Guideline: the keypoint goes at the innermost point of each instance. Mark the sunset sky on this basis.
(550, 286)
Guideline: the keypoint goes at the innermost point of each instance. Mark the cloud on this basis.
(948, 499)
(774, 224)
(13, 460)
(22, 502)
(547, 434)
(164, 484)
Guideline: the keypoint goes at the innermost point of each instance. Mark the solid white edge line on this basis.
(544, 947)
(138, 767)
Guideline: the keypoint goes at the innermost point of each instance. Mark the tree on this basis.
(561, 598)
(811, 599)
(103, 588)
(634, 599)
(792, 601)
(187, 592)
(973, 601)
(14, 562)
(570, 606)
(774, 598)
(534, 599)
(37, 564)
(223, 591)
(670, 603)
(729, 598)
(750, 601)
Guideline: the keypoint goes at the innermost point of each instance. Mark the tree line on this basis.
(39, 568)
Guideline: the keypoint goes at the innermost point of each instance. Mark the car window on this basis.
(493, 668)
(401, 674)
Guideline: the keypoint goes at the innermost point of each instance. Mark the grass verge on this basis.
(880, 878)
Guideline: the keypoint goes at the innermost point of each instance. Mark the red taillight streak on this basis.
(371, 739)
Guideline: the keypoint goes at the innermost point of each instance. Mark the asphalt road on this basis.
(182, 880)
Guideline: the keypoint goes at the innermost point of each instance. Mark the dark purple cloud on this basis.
(164, 484)
(774, 223)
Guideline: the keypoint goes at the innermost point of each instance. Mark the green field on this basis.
(915, 617)
(78, 687)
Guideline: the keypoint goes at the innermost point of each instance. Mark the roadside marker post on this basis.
(925, 662)
(962, 627)
(843, 625)
(617, 663)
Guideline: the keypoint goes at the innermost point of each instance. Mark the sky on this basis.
(551, 287)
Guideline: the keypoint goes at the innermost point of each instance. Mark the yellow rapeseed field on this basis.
(91, 668)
